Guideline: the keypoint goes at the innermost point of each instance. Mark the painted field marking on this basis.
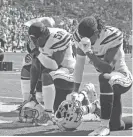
(16, 98)
(14, 73)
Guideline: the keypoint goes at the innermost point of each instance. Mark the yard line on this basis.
(127, 107)
(14, 73)
(8, 73)
(11, 98)
(16, 98)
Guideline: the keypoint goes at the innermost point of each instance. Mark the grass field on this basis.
(10, 97)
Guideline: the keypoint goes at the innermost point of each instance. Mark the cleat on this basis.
(101, 131)
(97, 108)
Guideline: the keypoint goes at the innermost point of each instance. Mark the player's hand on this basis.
(72, 96)
(85, 44)
(35, 52)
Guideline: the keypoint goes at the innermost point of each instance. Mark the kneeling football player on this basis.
(48, 42)
(27, 61)
(103, 45)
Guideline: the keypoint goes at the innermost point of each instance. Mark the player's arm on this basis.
(45, 60)
(79, 68)
(104, 66)
(35, 71)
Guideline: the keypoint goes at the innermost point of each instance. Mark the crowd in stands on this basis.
(13, 15)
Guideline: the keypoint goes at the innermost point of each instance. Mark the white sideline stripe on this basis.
(4, 121)
(16, 98)
(14, 73)
(11, 98)
(9, 73)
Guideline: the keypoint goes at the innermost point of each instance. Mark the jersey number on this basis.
(59, 35)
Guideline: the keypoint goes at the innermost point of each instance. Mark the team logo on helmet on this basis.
(32, 112)
(69, 115)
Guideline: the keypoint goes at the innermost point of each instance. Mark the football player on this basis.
(27, 61)
(50, 48)
(103, 45)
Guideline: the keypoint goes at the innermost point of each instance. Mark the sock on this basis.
(106, 97)
(25, 88)
(48, 93)
(106, 101)
(116, 122)
(39, 97)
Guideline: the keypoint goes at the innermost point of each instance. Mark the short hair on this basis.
(89, 25)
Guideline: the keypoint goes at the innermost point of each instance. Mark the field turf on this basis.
(10, 97)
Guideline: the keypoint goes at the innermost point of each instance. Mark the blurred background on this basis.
(66, 13)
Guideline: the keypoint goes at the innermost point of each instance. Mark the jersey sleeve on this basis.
(62, 39)
(114, 38)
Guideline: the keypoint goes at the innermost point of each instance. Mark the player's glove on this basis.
(85, 45)
(72, 96)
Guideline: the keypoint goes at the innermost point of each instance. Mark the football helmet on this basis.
(32, 112)
(69, 115)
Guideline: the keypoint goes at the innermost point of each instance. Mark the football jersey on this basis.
(69, 60)
(110, 37)
(60, 40)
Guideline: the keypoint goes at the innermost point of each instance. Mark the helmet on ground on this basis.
(32, 112)
(69, 115)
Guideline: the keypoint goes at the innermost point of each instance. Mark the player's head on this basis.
(90, 27)
(39, 34)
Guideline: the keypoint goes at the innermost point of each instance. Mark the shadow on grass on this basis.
(53, 132)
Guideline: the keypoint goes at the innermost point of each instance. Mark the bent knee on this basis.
(46, 79)
(25, 72)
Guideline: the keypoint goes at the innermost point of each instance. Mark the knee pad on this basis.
(25, 72)
(46, 79)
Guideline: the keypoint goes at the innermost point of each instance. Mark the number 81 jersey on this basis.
(58, 40)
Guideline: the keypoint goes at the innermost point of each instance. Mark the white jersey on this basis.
(69, 60)
(110, 37)
(59, 40)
